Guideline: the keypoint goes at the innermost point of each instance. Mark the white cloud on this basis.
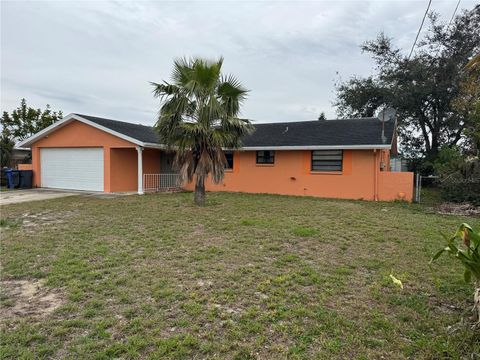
(98, 57)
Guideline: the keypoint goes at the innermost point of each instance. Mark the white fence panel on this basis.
(159, 182)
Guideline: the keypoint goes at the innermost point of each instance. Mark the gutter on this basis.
(306, 147)
(154, 146)
(318, 147)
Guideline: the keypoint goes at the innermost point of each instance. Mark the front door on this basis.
(166, 163)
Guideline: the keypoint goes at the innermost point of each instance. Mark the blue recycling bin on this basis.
(13, 178)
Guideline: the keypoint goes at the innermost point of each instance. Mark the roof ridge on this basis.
(314, 121)
(115, 120)
(253, 123)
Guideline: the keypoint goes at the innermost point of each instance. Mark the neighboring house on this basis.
(347, 159)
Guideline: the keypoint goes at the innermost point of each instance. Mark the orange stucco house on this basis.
(346, 159)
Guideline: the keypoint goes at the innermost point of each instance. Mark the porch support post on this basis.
(140, 170)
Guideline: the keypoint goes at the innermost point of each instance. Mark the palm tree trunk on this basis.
(476, 302)
(200, 191)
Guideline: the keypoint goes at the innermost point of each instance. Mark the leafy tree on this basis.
(25, 121)
(467, 103)
(422, 88)
(198, 118)
(6, 149)
(322, 116)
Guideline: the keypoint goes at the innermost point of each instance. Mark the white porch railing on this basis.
(159, 182)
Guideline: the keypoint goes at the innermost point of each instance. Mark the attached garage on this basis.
(87, 153)
(72, 168)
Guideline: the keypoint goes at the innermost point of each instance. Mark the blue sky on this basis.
(97, 57)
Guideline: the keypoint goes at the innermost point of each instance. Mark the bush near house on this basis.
(463, 184)
(459, 176)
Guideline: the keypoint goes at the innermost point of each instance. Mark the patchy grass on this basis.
(431, 196)
(304, 231)
(5, 223)
(247, 276)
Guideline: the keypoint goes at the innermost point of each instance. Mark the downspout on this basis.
(375, 176)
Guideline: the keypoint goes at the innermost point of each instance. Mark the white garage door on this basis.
(72, 168)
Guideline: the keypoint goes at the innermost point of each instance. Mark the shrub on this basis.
(463, 185)
(449, 160)
(464, 245)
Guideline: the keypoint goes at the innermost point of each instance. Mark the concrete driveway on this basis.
(17, 196)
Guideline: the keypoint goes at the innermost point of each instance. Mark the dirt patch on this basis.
(31, 221)
(196, 234)
(464, 209)
(22, 298)
(443, 305)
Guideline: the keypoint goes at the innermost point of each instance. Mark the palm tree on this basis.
(198, 119)
(473, 63)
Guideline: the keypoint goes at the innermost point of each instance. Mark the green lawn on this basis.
(247, 276)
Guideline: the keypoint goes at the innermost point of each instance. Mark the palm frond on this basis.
(473, 63)
(182, 72)
(164, 90)
(232, 94)
(205, 74)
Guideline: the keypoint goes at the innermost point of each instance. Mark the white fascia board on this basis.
(317, 147)
(28, 141)
(69, 118)
(155, 146)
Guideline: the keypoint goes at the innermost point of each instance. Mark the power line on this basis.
(454, 12)
(420, 29)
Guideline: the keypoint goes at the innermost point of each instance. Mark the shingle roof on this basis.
(140, 132)
(348, 132)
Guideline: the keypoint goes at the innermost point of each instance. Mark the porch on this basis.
(155, 171)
